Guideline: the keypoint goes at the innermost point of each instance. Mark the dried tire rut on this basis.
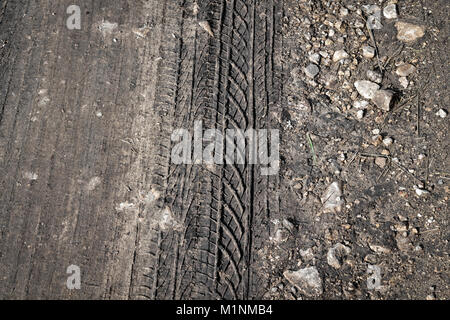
(227, 81)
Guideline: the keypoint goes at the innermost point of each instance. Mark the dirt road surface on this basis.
(87, 116)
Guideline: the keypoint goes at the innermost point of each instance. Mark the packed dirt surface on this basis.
(357, 89)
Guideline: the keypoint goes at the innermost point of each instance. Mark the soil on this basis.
(358, 209)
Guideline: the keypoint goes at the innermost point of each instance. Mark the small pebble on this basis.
(367, 89)
(340, 55)
(408, 32)
(421, 192)
(381, 161)
(442, 113)
(405, 70)
(360, 104)
(315, 58)
(388, 141)
(312, 70)
(360, 114)
(368, 52)
(403, 82)
(374, 76)
(390, 11)
(383, 99)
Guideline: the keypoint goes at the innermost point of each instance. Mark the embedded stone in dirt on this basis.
(381, 161)
(408, 32)
(442, 113)
(340, 55)
(337, 254)
(368, 52)
(383, 99)
(312, 70)
(405, 70)
(374, 76)
(307, 280)
(366, 88)
(332, 198)
(390, 11)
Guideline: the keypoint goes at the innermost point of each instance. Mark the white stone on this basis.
(374, 76)
(390, 11)
(367, 89)
(340, 55)
(422, 192)
(388, 141)
(442, 113)
(368, 52)
(360, 114)
(332, 198)
(403, 82)
(360, 104)
(408, 32)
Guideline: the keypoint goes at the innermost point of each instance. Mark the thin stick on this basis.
(311, 146)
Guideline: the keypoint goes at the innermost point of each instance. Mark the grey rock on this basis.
(332, 198)
(390, 11)
(315, 58)
(367, 89)
(312, 70)
(374, 76)
(383, 99)
(306, 280)
(337, 254)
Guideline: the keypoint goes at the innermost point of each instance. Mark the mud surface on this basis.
(358, 209)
